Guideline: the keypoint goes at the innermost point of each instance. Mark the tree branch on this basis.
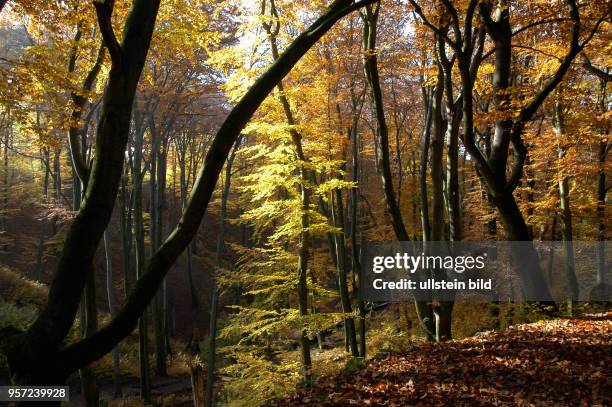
(528, 26)
(469, 15)
(455, 19)
(600, 73)
(478, 57)
(596, 27)
(74, 144)
(538, 51)
(528, 111)
(485, 14)
(275, 22)
(537, 23)
(454, 45)
(104, 13)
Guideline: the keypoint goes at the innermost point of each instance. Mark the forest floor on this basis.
(563, 362)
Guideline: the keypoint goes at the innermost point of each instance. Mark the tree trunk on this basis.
(89, 326)
(454, 116)
(305, 238)
(45, 161)
(88, 317)
(110, 291)
(338, 220)
(509, 127)
(157, 181)
(526, 257)
(601, 214)
(5, 177)
(425, 223)
(443, 310)
(566, 215)
(453, 121)
(182, 145)
(437, 147)
(139, 244)
(125, 226)
(604, 147)
(551, 256)
(57, 172)
(214, 303)
(370, 19)
(355, 249)
(197, 385)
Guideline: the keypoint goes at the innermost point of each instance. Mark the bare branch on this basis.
(537, 23)
(528, 111)
(596, 27)
(600, 73)
(538, 51)
(528, 26)
(419, 11)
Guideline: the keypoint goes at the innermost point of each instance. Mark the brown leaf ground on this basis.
(565, 362)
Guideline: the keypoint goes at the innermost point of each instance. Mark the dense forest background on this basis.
(185, 187)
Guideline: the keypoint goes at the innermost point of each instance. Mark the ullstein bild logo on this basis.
(531, 271)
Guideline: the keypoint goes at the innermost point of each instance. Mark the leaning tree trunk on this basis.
(509, 127)
(370, 18)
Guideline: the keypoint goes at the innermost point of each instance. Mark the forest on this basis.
(191, 193)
